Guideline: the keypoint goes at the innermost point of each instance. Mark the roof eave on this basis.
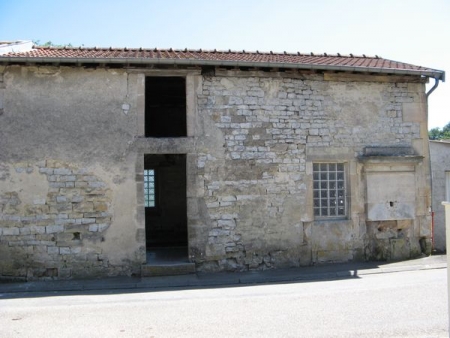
(437, 74)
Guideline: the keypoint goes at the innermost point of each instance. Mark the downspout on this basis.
(436, 84)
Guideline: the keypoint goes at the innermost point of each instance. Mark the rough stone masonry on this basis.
(256, 185)
(71, 168)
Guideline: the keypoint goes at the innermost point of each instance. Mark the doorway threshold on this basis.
(167, 261)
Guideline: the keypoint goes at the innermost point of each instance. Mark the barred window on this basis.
(149, 188)
(329, 190)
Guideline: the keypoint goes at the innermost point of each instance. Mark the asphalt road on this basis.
(402, 304)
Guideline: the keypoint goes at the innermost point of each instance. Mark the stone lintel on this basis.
(395, 160)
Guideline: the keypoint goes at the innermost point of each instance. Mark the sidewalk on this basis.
(318, 272)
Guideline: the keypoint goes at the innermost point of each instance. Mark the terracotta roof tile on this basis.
(214, 57)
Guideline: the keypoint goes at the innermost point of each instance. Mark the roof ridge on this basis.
(200, 50)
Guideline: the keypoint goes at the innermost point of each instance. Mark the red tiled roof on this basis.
(219, 58)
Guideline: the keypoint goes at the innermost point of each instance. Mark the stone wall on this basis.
(67, 181)
(72, 161)
(257, 185)
(52, 230)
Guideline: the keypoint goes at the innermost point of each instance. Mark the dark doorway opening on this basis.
(165, 205)
(165, 106)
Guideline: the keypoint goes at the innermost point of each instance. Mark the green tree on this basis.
(440, 134)
(49, 44)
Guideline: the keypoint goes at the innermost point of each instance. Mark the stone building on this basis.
(440, 170)
(147, 161)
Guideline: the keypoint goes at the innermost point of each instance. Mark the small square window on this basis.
(329, 190)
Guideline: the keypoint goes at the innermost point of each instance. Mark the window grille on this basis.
(329, 190)
(149, 188)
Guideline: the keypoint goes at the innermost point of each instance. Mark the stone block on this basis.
(61, 199)
(25, 231)
(78, 227)
(62, 171)
(83, 207)
(77, 198)
(100, 206)
(96, 214)
(36, 229)
(53, 250)
(227, 224)
(47, 171)
(96, 184)
(64, 251)
(64, 237)
(13, 231)
(60, 208)
(103, 226)
(51, 229)
(76, 251)
(64, 221)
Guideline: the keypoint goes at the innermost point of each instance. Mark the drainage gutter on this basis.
(436, 84)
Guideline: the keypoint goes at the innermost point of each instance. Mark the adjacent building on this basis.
(127, 161)
(440, 169)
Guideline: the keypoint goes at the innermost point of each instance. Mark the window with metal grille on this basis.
(329, 190)
(149, 188)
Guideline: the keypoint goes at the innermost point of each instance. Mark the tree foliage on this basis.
(49, 44)
(440, 134)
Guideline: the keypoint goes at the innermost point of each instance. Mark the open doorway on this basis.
(165, 106)
(165, 207)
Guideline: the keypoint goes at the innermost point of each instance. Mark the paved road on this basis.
(403, 304)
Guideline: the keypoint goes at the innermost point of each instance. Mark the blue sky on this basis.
(413, 31)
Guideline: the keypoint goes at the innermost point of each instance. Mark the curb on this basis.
(203, 280)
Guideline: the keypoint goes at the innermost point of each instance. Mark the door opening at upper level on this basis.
(165, 106)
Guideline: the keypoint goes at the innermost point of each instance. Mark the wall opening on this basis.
(165, 106)
(165, 201)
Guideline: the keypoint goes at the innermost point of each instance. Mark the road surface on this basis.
(402, 304)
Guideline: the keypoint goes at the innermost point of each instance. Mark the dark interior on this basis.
(165, 106)
(166, 222)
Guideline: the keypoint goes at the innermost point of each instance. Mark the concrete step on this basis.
(169, 269)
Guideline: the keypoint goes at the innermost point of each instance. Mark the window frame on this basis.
(194, 80)
(331, 194)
